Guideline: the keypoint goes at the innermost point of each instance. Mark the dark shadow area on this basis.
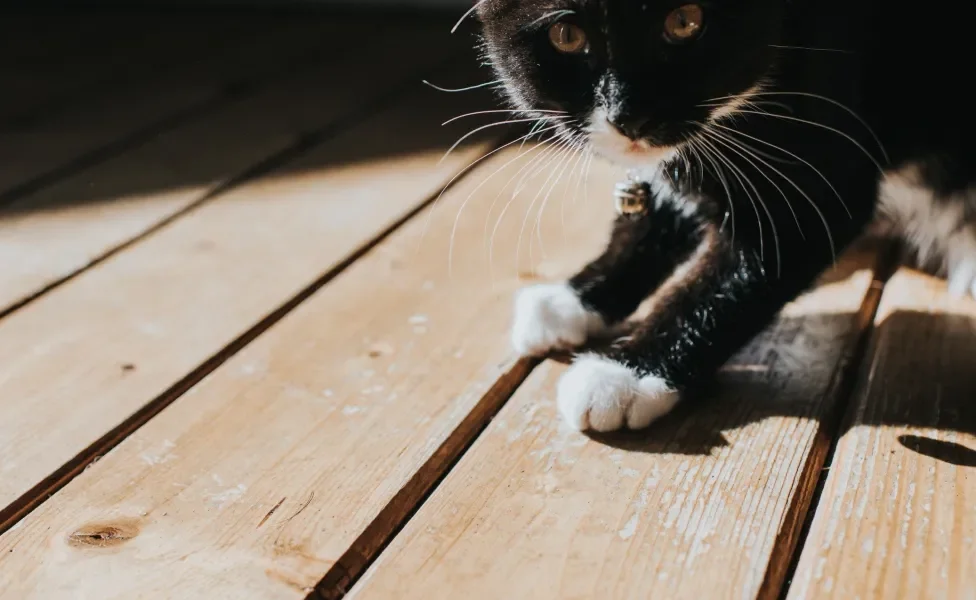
(86, 115)
(922, 377)
(948, 452)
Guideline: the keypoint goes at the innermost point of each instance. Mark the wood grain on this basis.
(897, 517)
(704, 505)
(80, 360)
(67, 226)
(303, 452)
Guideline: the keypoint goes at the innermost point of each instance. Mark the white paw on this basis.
(961, 264)
(962, 278)
(602, 395)
(551, 316)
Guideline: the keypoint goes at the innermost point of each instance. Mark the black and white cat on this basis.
(766, 135)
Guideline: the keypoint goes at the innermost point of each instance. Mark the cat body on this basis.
(767, 136)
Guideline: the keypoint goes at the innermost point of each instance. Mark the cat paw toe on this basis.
(599, 394)
(549, 317)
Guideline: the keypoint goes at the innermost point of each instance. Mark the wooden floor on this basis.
(244, 353)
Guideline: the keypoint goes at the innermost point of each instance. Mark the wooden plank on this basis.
(897, 517)
(102, 124)
(55, 60)
(64, 228)
(43, 39)
(102, 50)
(357, 401)
(46, 38)
(704, 505)
(174, 300)
(93, 58)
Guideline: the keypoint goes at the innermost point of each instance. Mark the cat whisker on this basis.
(823, 219)
(787, 152)
(552, 15)
(556, 144)
(693, 150)
(549, 151)
(827, 128)
(782, 47)
(756, 104)
(464, 89)
(501, 110)
(566, 146)
(558, 159)
(530, 163)
(578, 172)
(457, 219)
(720, 175)
(839, 105)
(478, 129)
(586, 178)
(735, 146)
(757, 151)
(470, 166)
(700, 155)
(533, 129)
(491, 208)
(542, 161)
(467, 14)
(744, 181)
(574, 152)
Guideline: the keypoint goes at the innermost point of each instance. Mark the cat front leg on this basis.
(711, 307)
(644, 248)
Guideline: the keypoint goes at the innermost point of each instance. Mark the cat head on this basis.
(638, 78)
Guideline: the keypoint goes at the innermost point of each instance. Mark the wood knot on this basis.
(103, 535)
(380, 349)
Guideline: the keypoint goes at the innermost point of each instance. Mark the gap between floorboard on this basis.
(37, 495)
(792, 538)
(345, 572)
(307, 142)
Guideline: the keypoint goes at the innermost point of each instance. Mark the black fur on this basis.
(886, 82)
(641, 254)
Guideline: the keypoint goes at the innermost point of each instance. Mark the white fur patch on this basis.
(932, 226)
(551, 316)
(619, 149)
(599, 394)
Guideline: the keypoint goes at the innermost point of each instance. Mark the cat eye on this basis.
(684, 23)
(568, 38)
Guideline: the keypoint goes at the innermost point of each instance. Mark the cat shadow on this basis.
(921, 377)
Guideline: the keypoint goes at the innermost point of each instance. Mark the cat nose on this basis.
(630, 126)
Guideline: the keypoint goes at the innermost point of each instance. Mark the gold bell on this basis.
(631, 198)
